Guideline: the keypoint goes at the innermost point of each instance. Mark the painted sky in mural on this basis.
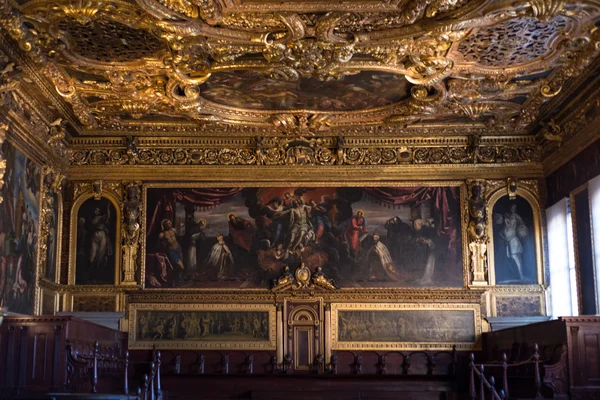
(18, 231)
(248, 89)
(360, 237)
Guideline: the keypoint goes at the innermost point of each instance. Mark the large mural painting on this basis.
(360, 237)
(19, 231)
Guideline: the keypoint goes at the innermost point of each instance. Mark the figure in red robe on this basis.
(355, 232)
(241, 232)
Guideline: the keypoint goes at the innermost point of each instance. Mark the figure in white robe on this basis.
(513, 232)
(427, 278)
(220, 257)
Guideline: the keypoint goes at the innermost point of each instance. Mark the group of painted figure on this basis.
(290, 230)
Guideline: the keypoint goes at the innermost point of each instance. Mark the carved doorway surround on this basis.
(304, 333)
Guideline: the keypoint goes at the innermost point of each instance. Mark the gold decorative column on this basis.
(130, 231)
(280, 339)
(477, 232)
(327, 333)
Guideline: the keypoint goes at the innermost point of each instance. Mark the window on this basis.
(594, 193)
(563, 282)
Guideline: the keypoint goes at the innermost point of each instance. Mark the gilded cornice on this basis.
(28, 116)
(47, 90)
(304, 151)
(572, 128)
(342, 295)
(239, 174)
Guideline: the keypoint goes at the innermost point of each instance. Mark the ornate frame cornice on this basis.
(47, 90)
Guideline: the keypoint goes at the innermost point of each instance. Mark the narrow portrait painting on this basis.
(514, 241)
(96, 242)
(19, 231)
(359, 237)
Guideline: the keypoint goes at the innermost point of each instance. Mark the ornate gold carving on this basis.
(302, 279)
(97, 190)
(130, 230)
(304, 124)
(303, 150)
(52, 184)
(122, 64)
(513, 42)
(3, 129)
(82, 11)
(511, 187)
(544, 10)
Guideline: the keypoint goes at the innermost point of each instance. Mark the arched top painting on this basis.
(96, 242)
(360, 237)
(514, 241)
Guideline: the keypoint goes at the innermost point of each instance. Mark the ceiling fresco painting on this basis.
(476, 64)
(246, 89)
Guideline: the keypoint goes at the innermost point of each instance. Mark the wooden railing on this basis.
(413, 363)
(480, 386)
(151, 388)
(100, 362)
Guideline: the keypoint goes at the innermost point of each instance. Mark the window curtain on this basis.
(561, 284)
(165, 203)
(594, 193)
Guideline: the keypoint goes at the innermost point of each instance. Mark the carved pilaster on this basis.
(130, 229)
(52, 184)
(3, 128)
(476, 230)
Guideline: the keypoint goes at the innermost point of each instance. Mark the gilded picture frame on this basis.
(462, 212)
(527, 194)
(221, 336)
(471, 312)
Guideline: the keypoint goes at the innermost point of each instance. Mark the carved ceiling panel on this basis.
(262, 64)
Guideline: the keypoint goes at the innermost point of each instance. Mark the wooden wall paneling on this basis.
(59, 364)
(22, 374)
(9, 359)
(584, 354)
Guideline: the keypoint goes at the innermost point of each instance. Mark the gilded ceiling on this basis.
(333, 65)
